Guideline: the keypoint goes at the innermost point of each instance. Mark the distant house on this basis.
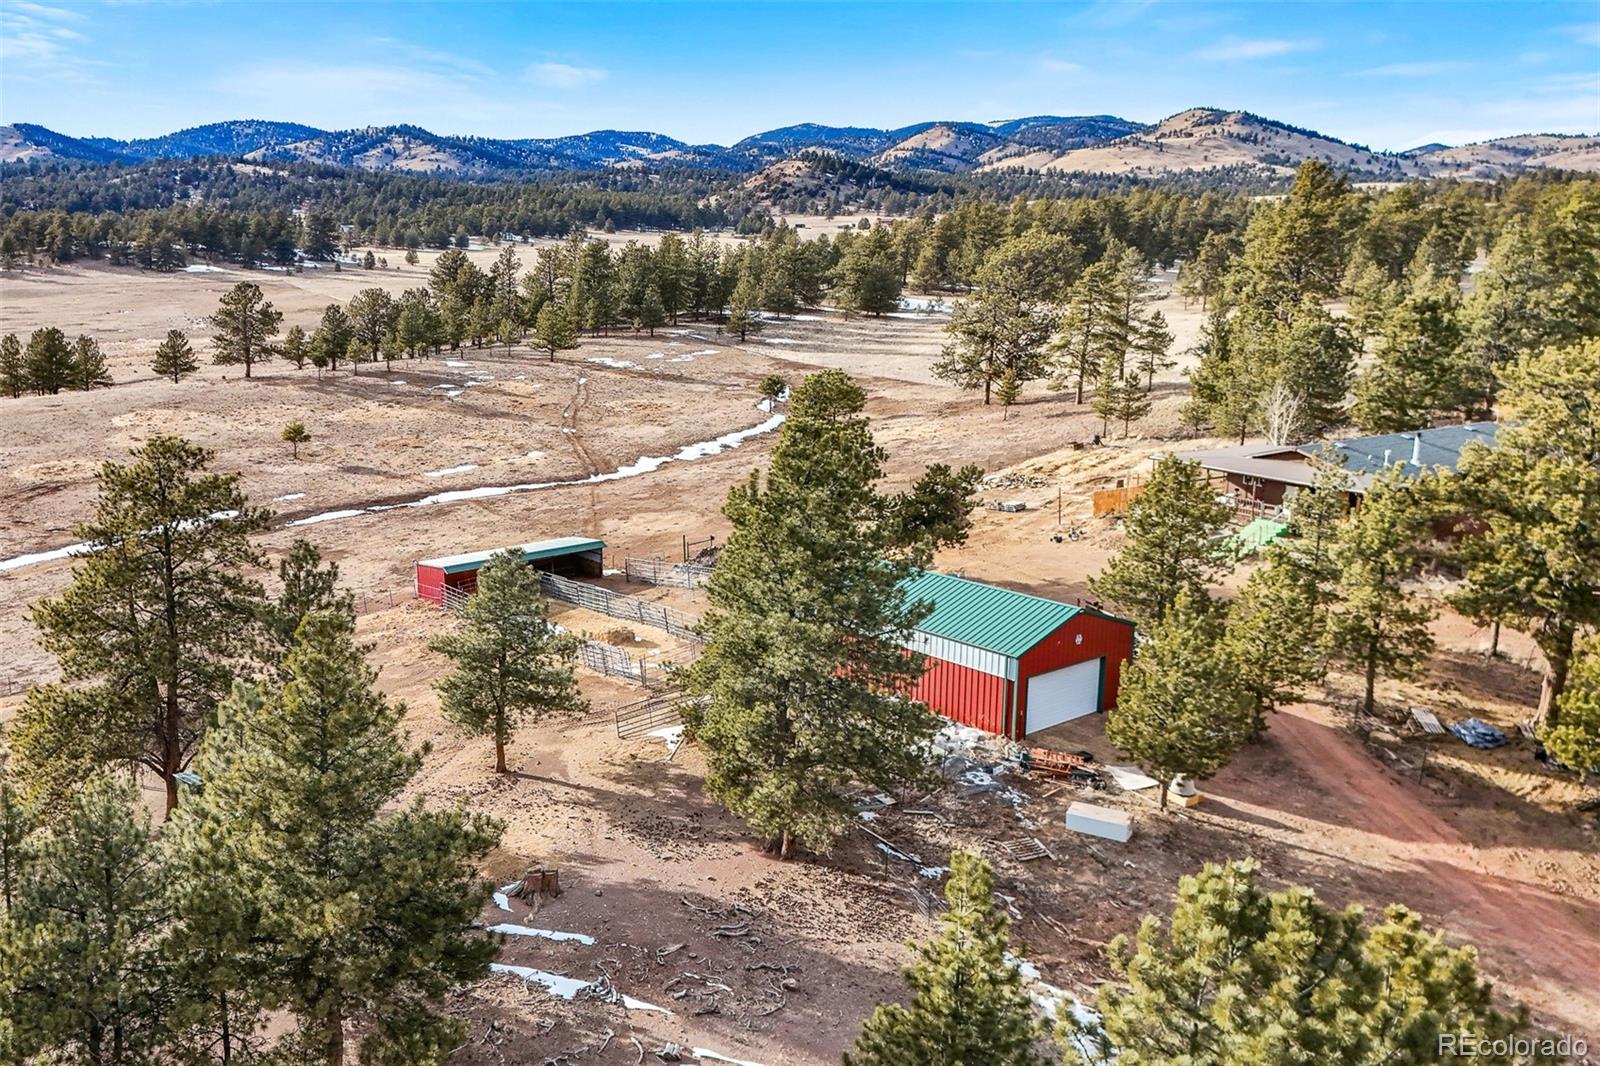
(1259, 476)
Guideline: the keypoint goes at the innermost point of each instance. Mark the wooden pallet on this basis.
(1025, 850)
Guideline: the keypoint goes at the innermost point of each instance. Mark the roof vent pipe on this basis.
(1416, 450)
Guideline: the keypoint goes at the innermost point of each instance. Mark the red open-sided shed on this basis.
(1010, 663)
(438, 579)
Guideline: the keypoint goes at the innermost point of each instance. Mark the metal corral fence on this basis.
(661, 572)
(603, 600)
(640, 717)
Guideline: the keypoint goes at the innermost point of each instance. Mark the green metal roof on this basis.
(985, 616)
(539, 549)
(1255, 536)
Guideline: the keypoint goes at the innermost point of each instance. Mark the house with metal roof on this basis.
(1012, 663)
(451, 574)
(1264, 473)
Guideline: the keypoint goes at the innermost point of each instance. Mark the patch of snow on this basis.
(867, 816)
(456, 363)
(510, 929)
(398, 382)
(503, 901)
(567, 987)
(671, 736)
(289, 496)
(896, 853)
(644, 465)
(17, 562)
(1130, 778)
(452, 394)
(704, 1053)
(933, 872)
(446, 471)
(615, 364)
(534, 455)
(780, 340)
(202, 268)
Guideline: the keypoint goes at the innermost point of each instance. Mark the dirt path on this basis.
(1387, 839)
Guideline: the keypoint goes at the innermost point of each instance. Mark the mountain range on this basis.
(1196, 140)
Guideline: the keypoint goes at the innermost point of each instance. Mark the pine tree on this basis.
(174, 357)
(150, 629)
(1183, 708)
(18, 820)
(294, 435)
(1274, 636)
(49, 361)
(359, 919)
(306, 586)
(372, 313)
(1007, 391)
(1172, 530)
(89, 369)
(1572, 735)
(87, 977)
(805, 633)
(1239, 975)
(773, 388)
(512, 666)
(1004, 324)
(968, 1003)
(1151, 344)
(13, 369)
(554, 332)
(296, 347)
(1534, 558)
(1419, 375)
(333, 337)
(318, 236)
(244, 326)
(744, 307)
(1375, 624)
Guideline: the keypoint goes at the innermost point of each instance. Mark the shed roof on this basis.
(1414, 452)
(985, 616)
(538, 549)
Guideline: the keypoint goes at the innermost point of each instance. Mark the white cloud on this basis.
(1052, 65)
(1585, 32)
(1420, 69)
(1241, 48)
(564, 75)
(35, 40)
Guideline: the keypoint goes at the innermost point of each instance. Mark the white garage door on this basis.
(1062, 695)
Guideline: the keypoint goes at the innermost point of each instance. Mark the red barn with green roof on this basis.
(1010, 663)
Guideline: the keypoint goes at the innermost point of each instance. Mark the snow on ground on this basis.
(616, 364)
(671, 736)
(446, 471)
(512, 929)
(289, 496)
(567, 987)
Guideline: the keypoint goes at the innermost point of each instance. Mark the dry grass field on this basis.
(754, 959)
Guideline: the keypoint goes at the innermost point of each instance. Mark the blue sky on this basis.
(1390, 75)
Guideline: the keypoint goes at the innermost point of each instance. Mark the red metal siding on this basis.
(965, 695)
(430, 583)
(1101, 637)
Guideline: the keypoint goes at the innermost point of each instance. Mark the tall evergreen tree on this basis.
(1375, 624)
(150, 630)
(744, 307)
(968, 1003)
(358, 919)
(296, 347)
(554, 331)
(333, 337)
(244, 325)
(512, 666)
(1572, 735)
(1003, 325)
(1239, 975)
(1183, 707)
(89, 369)
(13, 369)
(49, 361)
(1172, 530)
(805, 655)
(1419, 375)
(371, 315)
(1274, 636)
(306, 586)
(87, 979)
(174, 357)
(1534, 558)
